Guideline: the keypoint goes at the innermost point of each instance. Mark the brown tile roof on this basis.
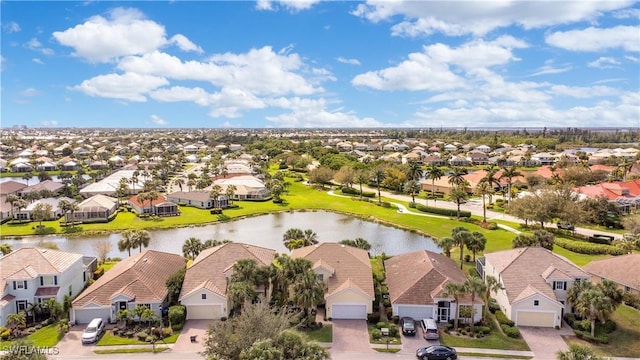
(47, 291)
(11, 187)
(349, 263)
(523, 267)
(44, 185)
(6, 299)
(191, 195)
(624, 269)
(416, 277)
(159, 200)
(142, 275)
(208, 269)
(29, 262)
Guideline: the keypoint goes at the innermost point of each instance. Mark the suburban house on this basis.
(160, 206)
(623, 270)
(535, 283)
(110, 184)
(97, 207)
(56, 212)
(204, 290)
(137, 280)
(199, 199)
(248, 187)
(417, 281)
(48, 185)
(624, 194)
(346, 271)
(33, 275)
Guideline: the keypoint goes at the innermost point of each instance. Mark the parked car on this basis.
(93, 331)
(437, 352)
(408, 326)
(565, 226)
(429, 329)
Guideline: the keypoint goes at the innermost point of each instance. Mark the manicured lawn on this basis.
(496, 356)
(324, 334)
(130, 351)
(45, 337)
(383, 341)
(624, 341)
(108, 265)
(109, 339)
(495, 340)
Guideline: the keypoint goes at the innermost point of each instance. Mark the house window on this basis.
(536, 302)
(627, 289)
(320, 277)
(148, 306)
(21, 284)
(559, 285)
(21, 305)
(70, 290)
(204, 296)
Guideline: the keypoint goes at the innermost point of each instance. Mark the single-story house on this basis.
(204, 290)
(56, 211)
(97, 207)
(248, 187)
(346, 271)
(623, 270)
(137, 280)
(160, 206)
(417, 281)
(31, 275)
(534, 283)
(11, 187)
(48, 185)
(110, 184)
(199, 199)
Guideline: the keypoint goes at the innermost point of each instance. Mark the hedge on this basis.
(510, 331)
(502, 318)
(352, 191)
(583, 247)
(586, 335)
(439, 211)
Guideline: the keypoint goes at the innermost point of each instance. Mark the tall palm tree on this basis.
(490, 178)
(377, 175)
(412, 187)
(230, 192)
(624, 166)
(461, 236)
(127, 241)
(456, 176)
(307, 292)
(362, 178)
(433, 173)
(142, 238)
(151, 196)
(456, 291)
(492, 285)
(310, 237)
(482, 189)
(612, 291)
(459, 196)
(179, 181)
(240, 293)
(192, 248)
(446, 244)
(509, 173)
(475, 287)
(12, 199)
(27, 176)
(414, 172)
(214, 194)
(477, 243)
(594, 305)
(292, 238)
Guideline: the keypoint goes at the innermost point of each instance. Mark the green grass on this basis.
(324, 334)
(377, 267)
(392, 340)
(170, 339)
(47, 336)
(108, 339)
(494, 340)
(108, 265)
(624, 341)
(496, 356)
(385, 350)
(130, 351)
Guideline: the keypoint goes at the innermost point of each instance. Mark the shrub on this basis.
(99, 272)
(445, 212)
(166, 332)
(373, 318)
(224, 318)
(510, 331)
(393, 330)
(386, 302)
(412, 205)
(586, 335)
(502, 318)
(492, 226)
(142, 335)
(570, 318)
(472, 271)
(493, 306)
(389, 312)
(149, 339)
(582, 325)
(631, 300)
(583, 247)
(609, 326)
(467, 258)
(177, 315)
(382, 324)
(5, 334)
(483, 329)
(129, 333)
(376, 334)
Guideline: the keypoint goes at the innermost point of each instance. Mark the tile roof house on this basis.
(624, 270)
(47, 185)
(248, 187)
(56, 212)
(11, 187)
(346, 271)
(625, 194)
(97, 207)
(32, 275)
(199, 199)
(160, 206)
(204, 290)
(535, 283)
(417, 281)
(137, 280)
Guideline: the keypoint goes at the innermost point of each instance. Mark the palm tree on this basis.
(292, 238)
(192, 248)
(307, 292)
(151, 196)
(578, 352)
(214, 194)
(456, 291)
(362, 178)
(359, 243)
(27, 176)
(509, 173)
(477, 243)
(433, 173)
(482, 189)
(5, 248)
(377, 175)
(127, 242)
(612, 291)
(492, 285)
(240, 292)
(446, 244)
(179, 181)
(461, 236)
(412, 187)
(628, 243)
(20, 204)
(142, 238)
(12, 199)
(459, 196)
(230, 192)
(310, 237)
(594, 305)
(475, 287)
(624, 166)
(456, 176)
(415, 171)
(16, 320)
(490, 178)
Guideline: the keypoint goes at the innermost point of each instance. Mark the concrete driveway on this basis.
(71, 343)
(350, 335)
(196, 328)
(545, 342)
(412, 343)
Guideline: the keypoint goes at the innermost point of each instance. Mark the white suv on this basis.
(93, 331)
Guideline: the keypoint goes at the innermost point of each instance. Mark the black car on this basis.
(408, 326)
(436, 352)
(565, 226)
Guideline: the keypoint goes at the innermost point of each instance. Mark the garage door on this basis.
(348, 311)
(208, 312)
(84, 316)
(529, 318)
(416, 312)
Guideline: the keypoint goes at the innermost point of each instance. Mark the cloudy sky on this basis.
(310, 63)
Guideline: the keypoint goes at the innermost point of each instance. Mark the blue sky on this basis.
(301, 64)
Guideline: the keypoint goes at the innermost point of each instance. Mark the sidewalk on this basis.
(494, 352)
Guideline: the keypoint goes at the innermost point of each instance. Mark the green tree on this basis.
(456, 177)
(433, 173)
(361, 178)
(54, 308)
(509, 173)
(491, 180)
(12, 199)
(241, 293)
(27, 176)
(359, 243)
(127, 241)
(414, 171)
(628, 243)
(456, 291)
(179, 181)
(288, 345)
(459, 196)
(578, 352)
(230, 192)
(412, 187)
(594, 305)
(42, 211)
(307, 292)
(174, 286)
(345, 176)
(5, 248)
(446, 244)
(214, 194)
(483, 189)
(461, 236)
(296, 238)
(377, 175)
(475, 287)
(192, 248)
(476, 243)
(492, 285)
(124, 316)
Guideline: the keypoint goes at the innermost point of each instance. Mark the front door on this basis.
(443, 311)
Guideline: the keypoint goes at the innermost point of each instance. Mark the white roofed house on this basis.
(96, 208)
(32, 275)
(247, 187)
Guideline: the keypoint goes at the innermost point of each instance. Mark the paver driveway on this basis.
(350, 335)
(196, 328)
(71, 343)
(545, 342)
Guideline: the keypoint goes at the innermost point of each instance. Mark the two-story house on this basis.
(32, 275)
(534, 283)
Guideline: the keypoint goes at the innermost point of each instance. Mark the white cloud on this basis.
(604, 62)
(456, 18)
(37, 61)
(185, 44)
(125, 32)
(36, 45)
(308, 113)
(630, 13)
(129, 86)
(584, 92)
(291, 5)
(158, 120)
(551, 69)
(348, 61)
(11, 27)
(597, 39)
(632, 58)
(29, 92)
(49, 123)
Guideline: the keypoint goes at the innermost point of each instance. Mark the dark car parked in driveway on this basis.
(437, 352)
(408, 326)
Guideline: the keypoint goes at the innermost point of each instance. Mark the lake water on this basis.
(34, 180)
(265, 230)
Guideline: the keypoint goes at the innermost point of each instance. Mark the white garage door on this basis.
(415, 311)
(530, 318)
(84, 316)
(207, 312)
(349, 311)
